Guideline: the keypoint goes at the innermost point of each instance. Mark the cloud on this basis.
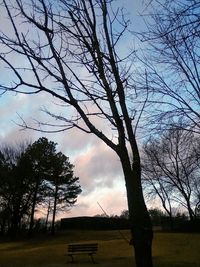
(112, 201)
(75, 142)
(11, 107)
(97, 167)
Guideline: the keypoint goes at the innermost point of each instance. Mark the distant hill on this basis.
(94, 223)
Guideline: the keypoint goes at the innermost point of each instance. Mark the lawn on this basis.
(169, 250)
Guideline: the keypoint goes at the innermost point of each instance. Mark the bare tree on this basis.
(172, 168)
(172, 63)
(71, 49)
(155, 186)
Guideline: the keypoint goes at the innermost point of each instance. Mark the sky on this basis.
(98, 168)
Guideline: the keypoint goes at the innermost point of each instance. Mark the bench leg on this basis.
(71, 258)
(92, 258)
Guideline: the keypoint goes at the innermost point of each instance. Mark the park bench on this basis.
(86, 248)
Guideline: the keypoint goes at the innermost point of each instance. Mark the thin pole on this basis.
(122, 235)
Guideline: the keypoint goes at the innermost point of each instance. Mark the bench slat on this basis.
(82, 250)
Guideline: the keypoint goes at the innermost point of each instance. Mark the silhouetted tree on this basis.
(172, 169)
(64, 186)
(30, 174)
(15, 186)
(156, 215)
(154, 185)
(72, 51)
(51, 176)
(39, 156)
(124, 214)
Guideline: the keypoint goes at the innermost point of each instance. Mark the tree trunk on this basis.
(140, 222)
(33, 209)
(171, 220)
(15, 224)
(47, 217)
(190, 210)
(54, 211)
(141, 227)
(3, 225)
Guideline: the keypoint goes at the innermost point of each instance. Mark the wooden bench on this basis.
(86, 248)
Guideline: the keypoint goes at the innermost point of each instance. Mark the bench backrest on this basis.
(83, 247)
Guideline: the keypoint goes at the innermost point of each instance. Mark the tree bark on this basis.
(141, 228)
(140, 222)
(190, 211)
(47, 217)
(33, 209)
(15, 224)
(54, 211)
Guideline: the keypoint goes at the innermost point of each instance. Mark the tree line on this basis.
(160, 220)
(34, 177)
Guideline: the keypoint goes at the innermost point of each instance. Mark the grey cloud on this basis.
(98, 167)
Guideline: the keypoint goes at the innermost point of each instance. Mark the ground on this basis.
(169, 250)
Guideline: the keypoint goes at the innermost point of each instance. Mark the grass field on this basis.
(169, 250)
